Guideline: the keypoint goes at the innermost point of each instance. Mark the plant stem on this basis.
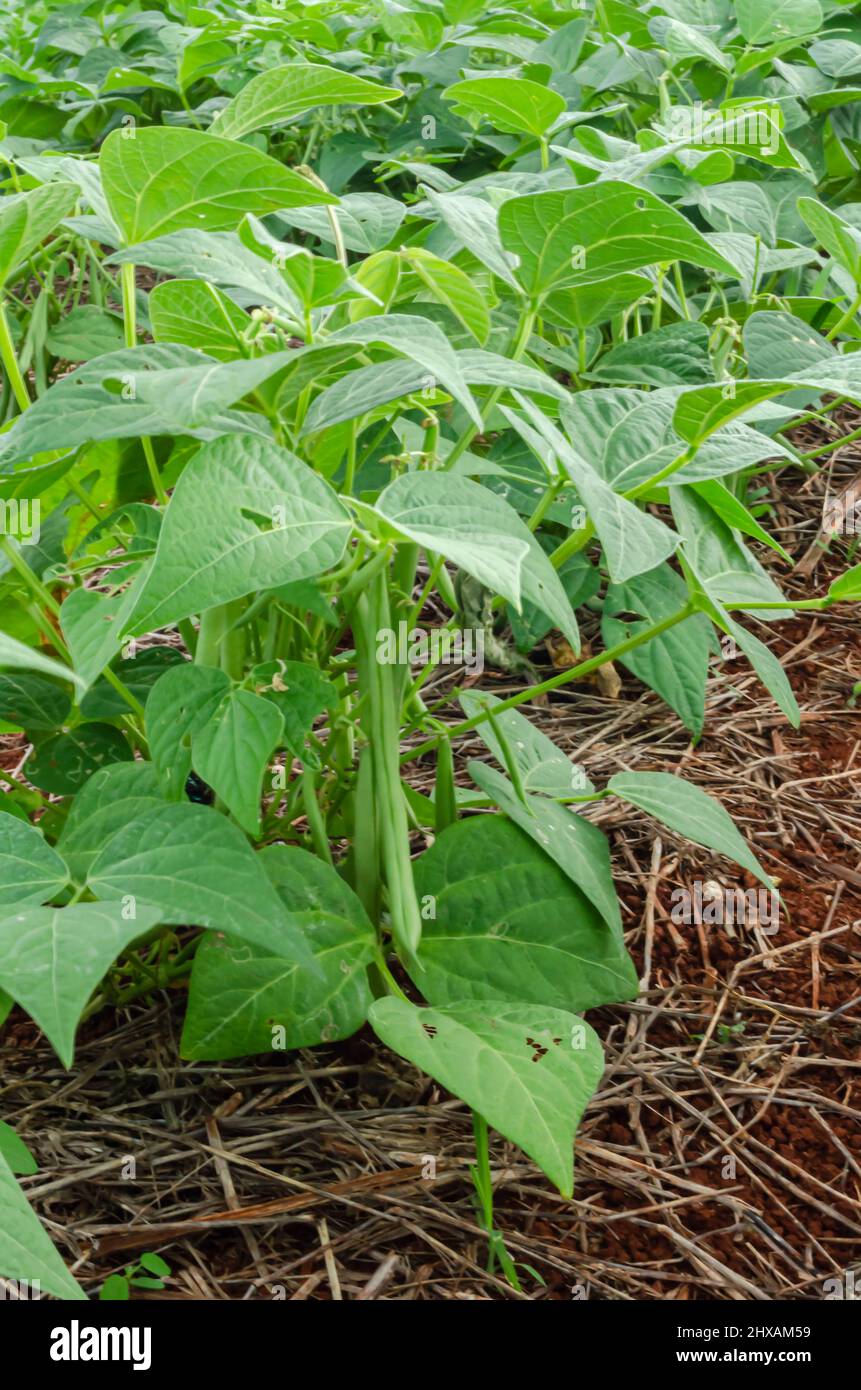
(152, 468)
(10, 361)
(845, 318)
(564, 678)
(127, 281)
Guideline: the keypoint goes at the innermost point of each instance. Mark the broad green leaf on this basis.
(214, 258)
(761, 658)
(705, 409)
(199, 316)
(482, 368)
(85, 332)
(106, 802)
(423, 342)
(453, 288)
(15, 656)
(30, 870)
(63, 764)
(509, 103)
(26, 1251)
(483, 535)
(585, 305)
(634, 542)
(628, 436)
(846, 586)
(577, 846)
(139, 672)
(52, 958)
(690, 811)
(572, 237)
(542, 766)
(363, 390)
(27, 218)
(677, 354)
(166, 178)
(841, 240)
(282, 94)
(300, 692)
(245, 515)
(763, 21)
(529, 1070)
(163, 388)
(244, 1001)
(95, 626)
(734, 574)
(474, 223)
(836, 57)
(180, 704)
(33, 702)
(508, 924)
(197, 869)
(675, 663)
(736, 515)
(778, 344)
(231, 752)
(368, 222)
(686, 41)
(15, 1152)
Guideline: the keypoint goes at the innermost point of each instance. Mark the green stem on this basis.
(314, 816)
(10, 361)
(564, 678)
(829, 448)
(152, 467)
(127, 280)
(846, 318)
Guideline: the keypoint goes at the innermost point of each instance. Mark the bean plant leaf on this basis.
(244, 1000)
(280, 95)
(300, 692)
(528, 1069)
(231, 752)
(577, 846)
(507, 923)
(542, 766)
(52, 958)
(195, 868)
(576, 236)
(483, 535)
(33, 702)
(108, 800)
(27, 218)
(244, 515)
(63, 763)
(421, 340)
(764, 21)
(17, 656)
(674, 663)
(180, 704)
(16, 1153)
(30, 870)
(513, 104)
(27, 1253)
(689, 810)
(166, 178)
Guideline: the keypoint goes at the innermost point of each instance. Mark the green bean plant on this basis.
(336, 339)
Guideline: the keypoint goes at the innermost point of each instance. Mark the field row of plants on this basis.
(318, 321)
